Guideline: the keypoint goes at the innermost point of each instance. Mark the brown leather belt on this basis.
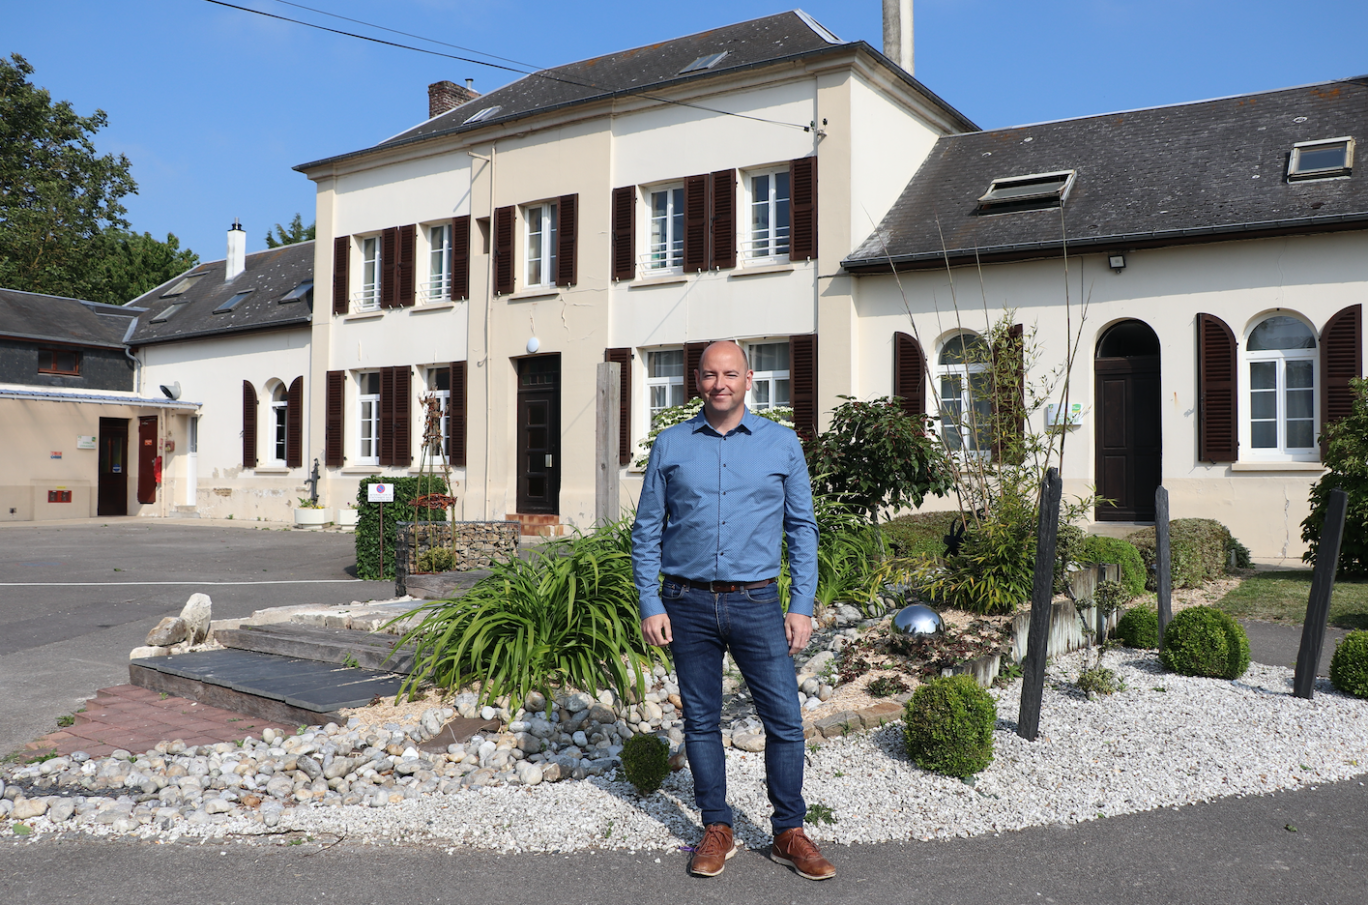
(720, 587)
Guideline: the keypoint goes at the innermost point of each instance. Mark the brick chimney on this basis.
(445, 95)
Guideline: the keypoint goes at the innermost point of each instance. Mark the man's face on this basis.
(723, 379)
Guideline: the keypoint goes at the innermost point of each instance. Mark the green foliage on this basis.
(886, 686)
(368, 527)
(1100, 549)
(1349, 665)
(678, 414)
(1199, 549)
(820, 813)
(1109, 596)
(850, 554)
(127, 264)
(1203, 641)
(309, 503)
(993, 571)
(295, 232)
(1099, 680)
(878, 457)
(948, 726)
(1068, 549)
(567, 617)
(646, 762)
(436, 559)
(919, 534)
(1346, 457)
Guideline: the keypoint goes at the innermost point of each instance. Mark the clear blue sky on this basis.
(214, 106)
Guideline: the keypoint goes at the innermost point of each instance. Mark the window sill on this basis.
(364, 315)
(361, 469)
(1276, 466)
(432, 306)
(271, 469)
(761, 269)
(540, 292)
(663, 280)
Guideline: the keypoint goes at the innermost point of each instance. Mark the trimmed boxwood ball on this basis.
(1204, 641)
(1349, 665)
(1139, 627)
(948, 726)
(646, 762)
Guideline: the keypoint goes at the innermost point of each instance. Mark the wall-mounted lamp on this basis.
(533, 345)
(173, 391)
(1116, 262)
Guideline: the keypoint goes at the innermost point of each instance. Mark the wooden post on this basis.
(1042, 592)
(1163, 560)
(607, 431)
(1318, 606)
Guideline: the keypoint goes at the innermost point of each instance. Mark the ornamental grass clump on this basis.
(1349, 665)
(1139, 628)
(948, 726)
(1203, 641)
(646, 762)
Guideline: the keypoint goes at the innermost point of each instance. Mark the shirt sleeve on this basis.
(646, 534)
(800, 525)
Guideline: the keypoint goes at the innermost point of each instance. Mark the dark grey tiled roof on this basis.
(758, 42)
(54, 318)
(270, 275)
(1165, 175)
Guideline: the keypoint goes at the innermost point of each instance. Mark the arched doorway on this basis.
(1129, 441)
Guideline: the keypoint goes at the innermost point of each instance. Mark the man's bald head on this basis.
(724, 378)
(724, 347)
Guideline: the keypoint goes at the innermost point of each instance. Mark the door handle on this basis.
(548, 460)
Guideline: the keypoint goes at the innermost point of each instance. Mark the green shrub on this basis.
(1349, 665)
(1109, 596)
(436, 559)
(1139, 628)
(1099, 680)
(1199, 549)
(919, 534)
(1203, 641)
(1068, 549)
(646, 762)
(1346, 457)
(948, 726)
(1097, 548)
(992, 573)
(368, 525)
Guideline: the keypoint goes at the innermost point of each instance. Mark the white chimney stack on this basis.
(897, 32)
(237, 252)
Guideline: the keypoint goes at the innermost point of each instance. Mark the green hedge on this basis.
(920, 533)
(368, 521)
(1203, 641)
(1199, 549)
(1097, 548)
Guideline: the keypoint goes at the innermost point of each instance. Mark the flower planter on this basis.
(347, 518)
(312, 518)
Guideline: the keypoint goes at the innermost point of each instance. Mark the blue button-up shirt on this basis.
(715, 508)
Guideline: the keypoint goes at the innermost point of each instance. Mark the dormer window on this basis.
(484, 114)
(706, 62)
(1031, 192)
(1321, 159)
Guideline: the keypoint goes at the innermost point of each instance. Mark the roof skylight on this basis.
(232, 302)
(182, 286)
(297, 293)
(1321, 159)
(1027, 192)
(165, 316)
(705, 62)
(484, 114)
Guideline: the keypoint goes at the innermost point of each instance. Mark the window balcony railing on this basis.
(770, 246)
(368, 299)
(435, 289)
(658, 261)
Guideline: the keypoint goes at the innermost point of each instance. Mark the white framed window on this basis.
(664, 380)
(1324, 159)
(666, 249)
(279, 407)
(437, 287)
(439, 385)
(767, 213)
(539, 222)
(368, 299)
(368, 422)
(1281, 363)
(965, 394)
(770, 375)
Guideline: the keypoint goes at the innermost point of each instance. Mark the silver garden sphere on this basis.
(918, 620)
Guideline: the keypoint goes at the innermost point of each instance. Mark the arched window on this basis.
(279, 406)
(1281, 358)
(966, 397)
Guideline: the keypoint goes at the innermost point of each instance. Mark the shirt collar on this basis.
(748, 422)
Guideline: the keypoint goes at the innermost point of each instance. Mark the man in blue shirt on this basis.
(720, 492)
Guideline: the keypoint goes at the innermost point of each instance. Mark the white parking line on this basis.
(134, 584)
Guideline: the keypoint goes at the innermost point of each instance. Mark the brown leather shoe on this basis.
(712, 853)
(794, 848)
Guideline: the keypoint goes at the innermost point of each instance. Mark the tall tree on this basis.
(295, 232)
(131, 263)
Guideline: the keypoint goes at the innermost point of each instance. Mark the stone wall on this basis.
(477, 545)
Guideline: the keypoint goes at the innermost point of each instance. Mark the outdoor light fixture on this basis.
(533, 345)
(173, 391)
(1117, 262)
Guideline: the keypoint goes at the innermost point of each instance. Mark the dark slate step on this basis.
(365, 649)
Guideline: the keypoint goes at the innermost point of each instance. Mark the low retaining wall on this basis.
(476, 545)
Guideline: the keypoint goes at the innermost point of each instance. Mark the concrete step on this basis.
(326, 645)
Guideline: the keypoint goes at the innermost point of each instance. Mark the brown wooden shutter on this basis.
(624, 358)
(909, 374)
(341, 274)
(460, 258)
(249, 425)
(333, 438)
(294, 424)
(389, 253)
(387, 397)
(693, 356)
(723, 219)
(624, 233)
(567, 230)
(402, 429)
(803, 209)
(456, 407)
(1341, 361)
(695, 224)
(503, 250)
(803, 383)
(404, 266)
(1217, 384)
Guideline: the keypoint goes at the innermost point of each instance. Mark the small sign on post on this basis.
(1322, 586)
(381, 494)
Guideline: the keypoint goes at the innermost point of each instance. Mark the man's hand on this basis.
(799, 631)
(656, 630)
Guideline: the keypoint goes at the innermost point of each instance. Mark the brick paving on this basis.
(134, 719)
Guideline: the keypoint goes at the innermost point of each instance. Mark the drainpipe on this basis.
(489, 313)
(137, 365)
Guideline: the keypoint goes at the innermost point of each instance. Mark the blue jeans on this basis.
(751, 625)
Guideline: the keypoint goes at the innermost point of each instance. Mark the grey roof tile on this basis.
(54, 318)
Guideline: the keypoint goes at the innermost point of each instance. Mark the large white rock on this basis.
(749, 741)
(139, 653)
(197, 614)
(170, 631)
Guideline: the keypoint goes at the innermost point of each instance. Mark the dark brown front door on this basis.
(539, 434)
(1129, 440)
(112, 489)
(147, 460)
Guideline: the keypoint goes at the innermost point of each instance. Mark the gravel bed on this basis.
(1164, 741)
